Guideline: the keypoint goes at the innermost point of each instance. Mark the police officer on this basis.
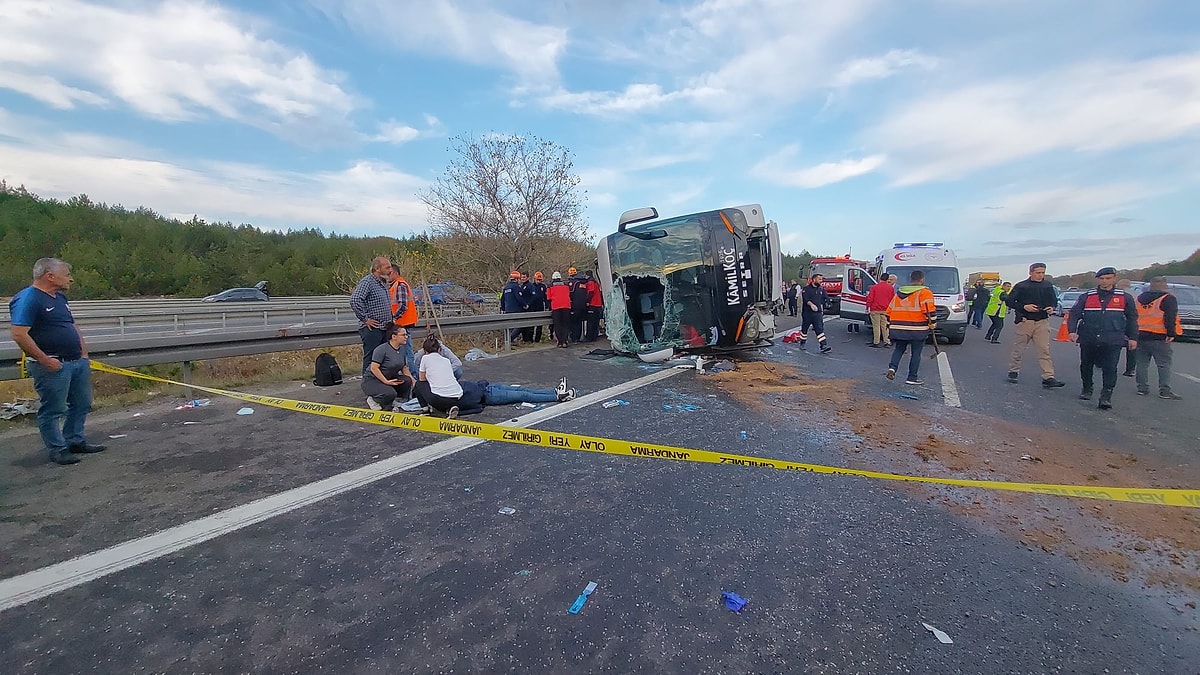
(1103, 321)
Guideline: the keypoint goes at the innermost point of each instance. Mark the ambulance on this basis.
(941, 276)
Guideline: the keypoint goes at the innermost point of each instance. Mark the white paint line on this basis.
(1193, 378)
(949, 391)
(31, 586)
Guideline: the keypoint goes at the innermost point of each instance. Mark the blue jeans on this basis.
(503, 394)
(914, 360)
(66, 393)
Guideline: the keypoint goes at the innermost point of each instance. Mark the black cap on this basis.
(1105, 270)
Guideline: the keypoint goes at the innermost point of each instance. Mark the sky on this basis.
(1065, 132)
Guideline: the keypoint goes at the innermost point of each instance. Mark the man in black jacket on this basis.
(812, 312)
(1158, 326)
(1032, 301)
(1103, 321)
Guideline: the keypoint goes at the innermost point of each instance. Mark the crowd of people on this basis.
(396, 377)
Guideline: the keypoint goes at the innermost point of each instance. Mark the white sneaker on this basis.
(373, 404)
(566, 395)
(452, 412)
(562, 387)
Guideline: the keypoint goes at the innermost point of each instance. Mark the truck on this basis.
(941, 276)
(990, 279)
(834, 272)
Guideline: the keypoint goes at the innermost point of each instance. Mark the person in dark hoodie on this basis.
(1158, 326)
(979, 302)
(513, 300)
(1103, 321)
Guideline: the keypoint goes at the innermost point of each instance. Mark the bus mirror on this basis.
(636, 216)
(644, 236)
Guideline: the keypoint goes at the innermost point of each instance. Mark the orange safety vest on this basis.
(409, 317)
(1151, 318)
(908, 317)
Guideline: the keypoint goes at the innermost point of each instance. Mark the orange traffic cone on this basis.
(1064, 334)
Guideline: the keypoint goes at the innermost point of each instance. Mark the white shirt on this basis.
(439, 372)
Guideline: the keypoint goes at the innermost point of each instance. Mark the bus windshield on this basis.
(940, 280)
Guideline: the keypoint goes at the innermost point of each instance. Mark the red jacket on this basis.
(880, 296)
(594, 297)
(559, 295)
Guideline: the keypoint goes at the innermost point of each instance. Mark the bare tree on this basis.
(502, 200)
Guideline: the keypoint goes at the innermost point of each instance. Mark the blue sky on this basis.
(1012, 130)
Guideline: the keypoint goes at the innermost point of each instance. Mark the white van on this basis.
(941, 276)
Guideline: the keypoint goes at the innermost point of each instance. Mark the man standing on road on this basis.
(812, 312)
(579, 303)
(996, 309)
(1103, 321)
(1158, 326)
(57, 358)
(792, 294)
(595, 308)
(404, 309)
(878, 299)
(1131, 356)
(527, 294)
(979, 303)
(537, 301)
(512, 301)
(559, 297)
(910, 323)
(1032, 301)
(372, 304)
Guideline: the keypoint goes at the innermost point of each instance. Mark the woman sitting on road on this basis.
(437, 388)
(390, 378)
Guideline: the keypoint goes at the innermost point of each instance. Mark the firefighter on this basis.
(1103, 321)
(1158, 326)
(812, 312)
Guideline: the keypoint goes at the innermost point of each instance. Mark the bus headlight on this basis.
(958, 307)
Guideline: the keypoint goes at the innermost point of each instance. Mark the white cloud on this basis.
(172, 61)
(398, 133)
(880, 67)
(1089, 107)
(777, 169)
(1069, 202)
(362, 197)
(467, 30)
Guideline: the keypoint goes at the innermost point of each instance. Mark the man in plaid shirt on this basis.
(373, 307)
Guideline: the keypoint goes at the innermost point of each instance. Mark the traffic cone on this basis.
(1064, 334)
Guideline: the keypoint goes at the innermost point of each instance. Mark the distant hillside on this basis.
(1187, 267)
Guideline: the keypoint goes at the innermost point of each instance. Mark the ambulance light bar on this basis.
(936, 244)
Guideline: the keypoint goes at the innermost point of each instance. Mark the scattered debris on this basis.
(1031, 458)
(911, 397)
(942, 637)
(21, 406)
(506, 511)
(723, 367)
(194, 403)
(468, 489)
(616, 402)
(475, 353)
(743, 435)
(578, 605)
(521, 573)
(411, 405)
(118, 435)
(733, 601)
(246, 411)
(187, 423)
(682, 407)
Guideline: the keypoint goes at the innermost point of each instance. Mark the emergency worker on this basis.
(577, 283)
(404, 309)
(911, 317)
(1103, 321)
(512, 301)
(1158, 327)
(812, 312)
(996, 309)
(559, 297)
(537, 301)
(595, 308)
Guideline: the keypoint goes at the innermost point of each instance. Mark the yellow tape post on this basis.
(610, 446)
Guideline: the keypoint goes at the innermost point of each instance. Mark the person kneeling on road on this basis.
(389, 376)
(437, 389)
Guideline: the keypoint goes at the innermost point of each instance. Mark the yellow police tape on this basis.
(552, 439)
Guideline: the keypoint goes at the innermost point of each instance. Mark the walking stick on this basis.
(936, 348)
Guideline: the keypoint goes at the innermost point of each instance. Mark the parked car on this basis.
(1066, 301)
(446, 292)
(238, 295)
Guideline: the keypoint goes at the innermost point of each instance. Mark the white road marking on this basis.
(949, 391)
(1193, 378)
(18, 590)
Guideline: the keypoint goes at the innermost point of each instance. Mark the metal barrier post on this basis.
(507, 340)
(187, 377)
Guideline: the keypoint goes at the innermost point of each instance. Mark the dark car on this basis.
(238, 295)
(447, 292)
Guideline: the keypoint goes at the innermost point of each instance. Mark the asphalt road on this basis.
(419, 572)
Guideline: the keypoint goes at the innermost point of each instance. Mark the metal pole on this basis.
(187, 377)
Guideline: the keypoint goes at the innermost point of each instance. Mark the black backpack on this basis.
(328, 372)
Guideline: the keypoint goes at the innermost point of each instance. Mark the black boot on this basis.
(1105, 399)
(1086, 394)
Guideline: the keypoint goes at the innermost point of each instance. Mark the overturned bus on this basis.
(700, 283)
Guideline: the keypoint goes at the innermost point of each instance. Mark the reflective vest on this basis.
(409, 317)
(1103, 324)
(909, 316)
(1152, 320)
(996, 307)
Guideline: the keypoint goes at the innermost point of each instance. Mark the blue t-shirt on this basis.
(49, 320)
